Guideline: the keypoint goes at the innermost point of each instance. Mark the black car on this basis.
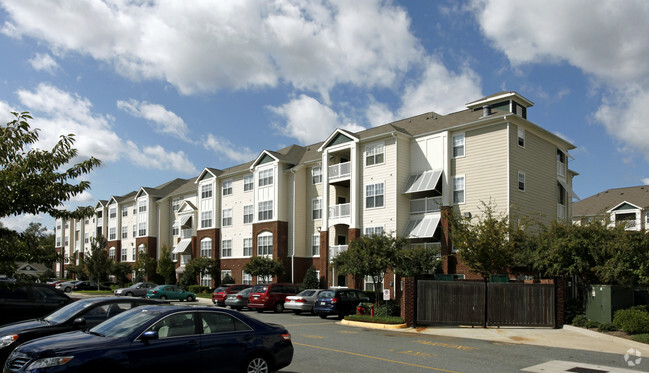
(338, 302)
(164, 339)
(22, 301)
(82, 314)
(89, 285)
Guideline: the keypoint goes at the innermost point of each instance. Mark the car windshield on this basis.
(306, 293)
(245, 291)
(63, 314)
(135, 285)
(124, 323)
(220, 290)
(259, 288)
(327, 294)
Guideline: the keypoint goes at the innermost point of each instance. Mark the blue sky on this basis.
(162, 89)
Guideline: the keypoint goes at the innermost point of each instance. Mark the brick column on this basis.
(450, 261)
(323, 263)
(408, 301)
(559, 302)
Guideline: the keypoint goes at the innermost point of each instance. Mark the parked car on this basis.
(89, 285)
(139, 289)
(66, 286)
(220, 293)
(53, 283)
(271, 296)
(82, 314)
(22, 301)
(338, 302)
(162, 339)
(170, 292)
(239, 300)
(302, 302)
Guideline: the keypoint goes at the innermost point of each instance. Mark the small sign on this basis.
(386, 294)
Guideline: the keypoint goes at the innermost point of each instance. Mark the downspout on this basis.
(293, 231)
(396, 209)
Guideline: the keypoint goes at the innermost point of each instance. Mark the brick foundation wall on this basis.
(408, 303)
(279, 229)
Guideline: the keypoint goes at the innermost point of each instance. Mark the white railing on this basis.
(561, 169)
(335, 250)
(627, 224)
(186, 233)
(561, 211)
(342, 210)
(425, 205)
(340, 170)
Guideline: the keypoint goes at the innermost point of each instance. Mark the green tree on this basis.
(76, 271)
(264, 267)
(227, 279)
(121, 270)
(98, 263)
(166, 266)
(144, 267)
(416, 261)
(311, 280)
(198, 267)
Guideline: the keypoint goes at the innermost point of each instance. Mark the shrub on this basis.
(572, 308)
(376, 319)
(632, 321)
(607, 327)
(580, 321)
(642, 338)
(197, 289)
(592, 324)
(393, 309)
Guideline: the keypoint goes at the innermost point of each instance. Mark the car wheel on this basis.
(163, 297)
(257, 364)
(68, 289)
(129, 294)
(190, 298)
(341, 315)
(297, 312)
(237, 308)
(322, 315)
(279, 308)
(260, 310)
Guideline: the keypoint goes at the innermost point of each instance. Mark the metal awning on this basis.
(186, 221)
(422, 227)
(422, 181)
(565, 186)
(182, 246)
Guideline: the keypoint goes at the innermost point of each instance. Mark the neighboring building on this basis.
(628, 206)
(302, 205)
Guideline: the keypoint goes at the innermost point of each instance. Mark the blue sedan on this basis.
(164, 339)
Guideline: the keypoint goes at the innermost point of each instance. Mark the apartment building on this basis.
(302, 205)
(619, 206)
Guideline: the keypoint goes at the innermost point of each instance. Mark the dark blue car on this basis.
(163, 339)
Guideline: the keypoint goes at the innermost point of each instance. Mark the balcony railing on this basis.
(561, 211)
(340, 170)
(186, 233)
(342, 210)
(335, 250)
(425, 205)
(627, 224)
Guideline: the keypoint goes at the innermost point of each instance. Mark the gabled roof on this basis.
(101, 203)
(605, 201)
(186, 188)
(290, 155)
(497, 97)
(163, 189)
(339, 132)
(186, 206)
(215, 172)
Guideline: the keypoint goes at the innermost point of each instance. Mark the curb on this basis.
(372, 325)
(606, 337)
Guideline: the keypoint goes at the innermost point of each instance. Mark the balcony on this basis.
(342, 210)
(425, 205)
(629, 225)
(561, 211)
(340, 171)
(335, 250)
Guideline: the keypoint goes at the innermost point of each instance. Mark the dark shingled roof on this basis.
(606, 200)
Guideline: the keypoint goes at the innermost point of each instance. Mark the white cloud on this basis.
(44, 62)
(19, 223)
(156, 157)
(378, 114)
(645, 181)
(224, 147)
(5, 113)
(309, 121)
(83, 197)
(311, 45)
(164, 120)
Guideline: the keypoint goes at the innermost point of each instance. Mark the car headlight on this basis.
(49, 362)
(6, 340)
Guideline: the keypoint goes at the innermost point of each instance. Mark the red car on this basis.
(271, 296)
(220, 293)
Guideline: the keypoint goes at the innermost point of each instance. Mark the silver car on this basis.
(66, 286)
(139, 289)
(239, 300)
(302, 302)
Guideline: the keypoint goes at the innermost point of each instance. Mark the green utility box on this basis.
(441, 277)
(603, 300)
(498, 278)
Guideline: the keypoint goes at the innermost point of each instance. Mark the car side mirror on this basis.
(149, 335)
(79, 323)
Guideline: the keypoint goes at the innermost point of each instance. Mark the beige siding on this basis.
(403, 172)
(308, 226)
(382, 173)
(236, 201)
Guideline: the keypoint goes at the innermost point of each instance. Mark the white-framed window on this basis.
(246, 278)
(265, 210)
(206, 280)
(206, 247)
(247, 247)
(458, 146)
(125, 231)
(112, 233)
(58, 241)
(317, 209)
(265, 244)
(206, 191)
(86, 238)
(206, 219)
(225, 272)
(226, 248)
(141, 231)
(141, 206)
(134, 209)
(369, 284)
(227, 187)
(66, 242)
(124, 210)
(134, 230)
(248, 183)
(175, 204)
(124, 255)
(227, 217)
(112, 213)
(315, 245)
(373, 230)
(175, 228)
(133, 257)
(521, 181)
(521, 137)
(111, 253)
(374, 154)
(316, 175)
(67, 223)
(374, 195)
(265, 177)
(561, 163)
(141, 248)
(248, 214)
(458, 189)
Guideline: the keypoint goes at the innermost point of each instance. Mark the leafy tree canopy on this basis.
(265, 267)
(98, 264)
(311, 280)
(166, 267)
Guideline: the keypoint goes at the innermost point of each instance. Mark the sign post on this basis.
(386, 298)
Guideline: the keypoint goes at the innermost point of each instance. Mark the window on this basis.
(317, 209)
(124, 256)
(111, 253)
(206, 280)
(374, 154)
(521, 181)
(86, 238)
(458, 146)
(265, 244)
(369, 284)
(226, 248)
(316, 175)
(58, 241)
(315, 245)
(141, 229)
(247, 247)
(227, 217)
(206, 191)
(248, 183)
(134, 230)
(141, 248)
(373, 230)
(141, 207)
(521, 137)
(134, 209)
(133, 255)
(125, 231)
(374, 195)
(227, 187)
(175, 204)
(561, 163)
(248, 213)
(265, 177)
(458, 189)
(112, 213)
(206, 219)
(124, 210)
(265, 210)
(246, 278)
(175, 230)
(206, 247)
(112, 233)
